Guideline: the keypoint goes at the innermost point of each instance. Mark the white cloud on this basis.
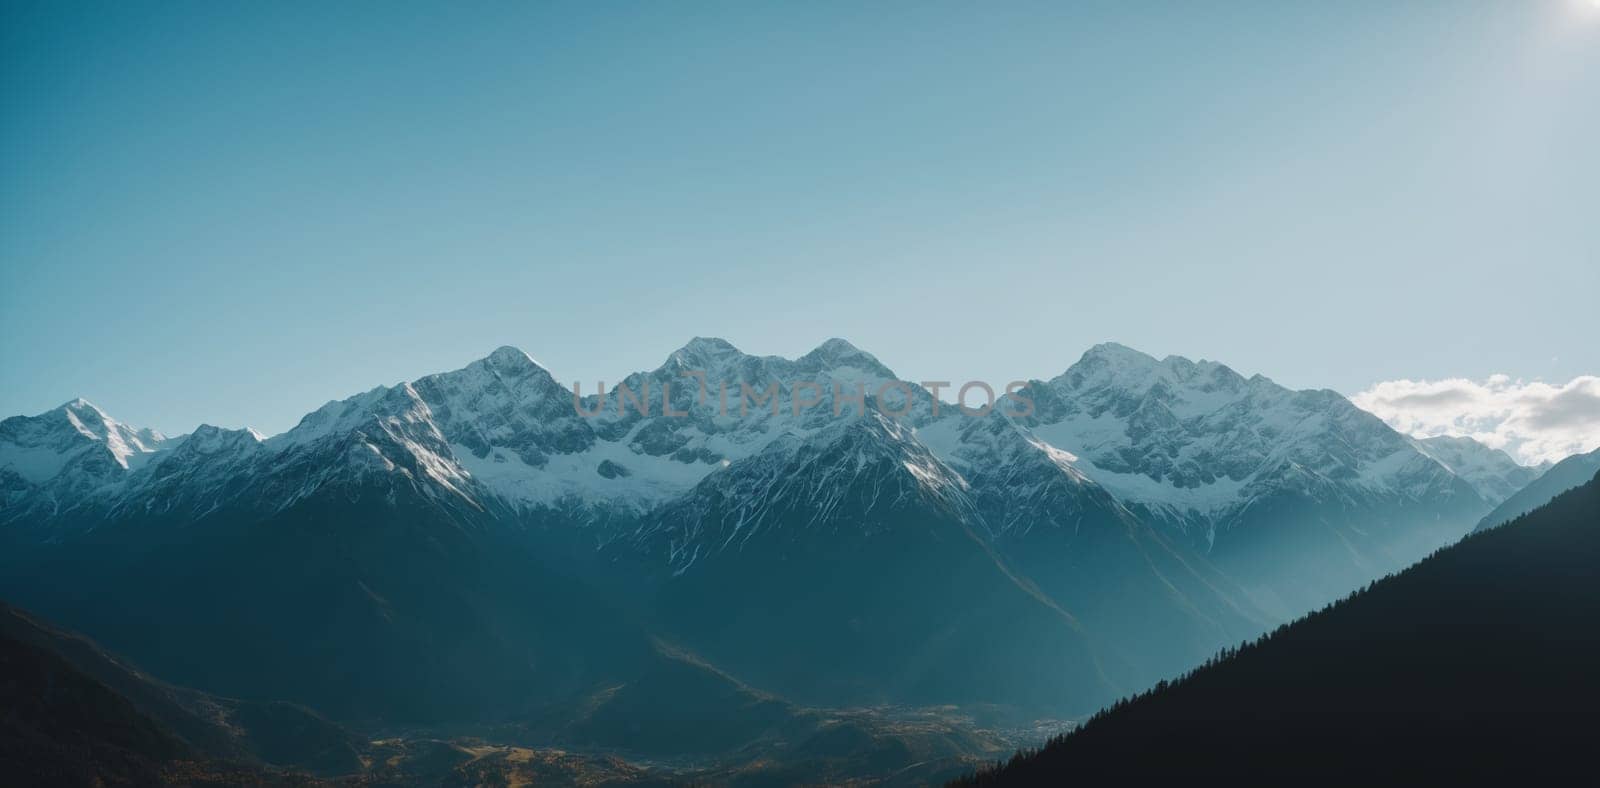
(1534, 422)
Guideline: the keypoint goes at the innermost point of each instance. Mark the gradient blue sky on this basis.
(232, 212)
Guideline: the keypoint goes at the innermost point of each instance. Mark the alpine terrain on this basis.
(485, 546)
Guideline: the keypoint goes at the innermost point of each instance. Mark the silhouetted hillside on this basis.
(1477, 664)
(61, 727)
(78, 715)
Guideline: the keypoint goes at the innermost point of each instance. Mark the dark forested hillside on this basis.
(62, 727)
(1477, 664)
(75, 714)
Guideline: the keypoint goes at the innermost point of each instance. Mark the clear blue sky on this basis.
(232, 212)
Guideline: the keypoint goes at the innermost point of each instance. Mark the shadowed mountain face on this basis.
(363, 602)
(1475, 664)
(861, 552)
(81, 715)
(63, 727)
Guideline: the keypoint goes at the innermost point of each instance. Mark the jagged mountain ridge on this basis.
(1190, 448)
(57, 461)
(1193, 443)
(500, 432)
(1185, 443)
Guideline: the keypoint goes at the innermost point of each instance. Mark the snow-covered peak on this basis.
(1117, 355)
(835, 346)
(1193, 441)
(490, 388)
(1123, 369)
(717, 359)
(77, 433)
(1020, 482)
(722, 363)
(491, 427)
(701, 352)
(68, 457)
(838, 355)
(335, 417)
(83, 409)
(1493, 472)
(92, 422)
(210, 439)
(508, 360)
(874, 438)
(846, 475)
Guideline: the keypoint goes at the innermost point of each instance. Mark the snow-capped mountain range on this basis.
(1133, 513)
(1187, 442)
(1189, 445)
